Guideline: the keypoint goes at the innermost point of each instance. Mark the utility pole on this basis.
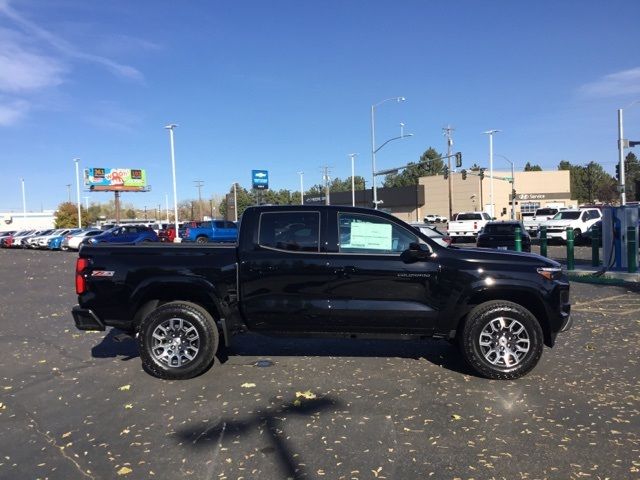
(325, 178)
(199, 185)
(447, 133)
(24, 201)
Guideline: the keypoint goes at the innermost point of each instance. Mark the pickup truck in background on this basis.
(542, 215)
(580, 220)
(213, 231)
(323, 271)
(467, 225)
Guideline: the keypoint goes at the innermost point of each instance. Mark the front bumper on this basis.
(86, 320)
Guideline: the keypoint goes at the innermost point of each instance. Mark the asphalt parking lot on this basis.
(78, 405)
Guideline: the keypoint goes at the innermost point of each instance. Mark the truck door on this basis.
(285, 278)
(376, 287)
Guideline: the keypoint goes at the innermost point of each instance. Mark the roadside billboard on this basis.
(115, 179)
(260, 179)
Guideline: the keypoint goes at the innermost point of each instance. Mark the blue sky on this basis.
(287, 86)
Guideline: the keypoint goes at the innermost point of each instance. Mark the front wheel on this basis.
(201, 240)
(501, 340)
(178, 340)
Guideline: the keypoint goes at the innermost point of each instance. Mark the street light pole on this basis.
(353, 178)
(373, 145)
(301, 187)
(68, 192)
(490, 133)
(76, 160)
(235, 202)
(513, 187)
(24, 200)
(171, 127)
(166, 205)
(447, 132)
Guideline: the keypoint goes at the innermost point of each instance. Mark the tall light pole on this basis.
(76, 160)
(68, 192)
(490, 133)
(301, 187)
(24, 200)
(621, 147)
(235, 201)
(171, 127)
(447, 132)
(513, 187)
(373, 144)
(166, 205)
(86, 203)
(353, 178)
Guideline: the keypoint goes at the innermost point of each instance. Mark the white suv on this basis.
(579, 219)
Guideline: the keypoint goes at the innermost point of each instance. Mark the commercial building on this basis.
(24, 221)
(533, 190)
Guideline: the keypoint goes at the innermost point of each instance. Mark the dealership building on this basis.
(12, 221)
(533, 190)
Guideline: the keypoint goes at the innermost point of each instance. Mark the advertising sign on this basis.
(115, 179)
(260, 179)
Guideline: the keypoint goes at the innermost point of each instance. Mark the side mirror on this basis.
(416, 252)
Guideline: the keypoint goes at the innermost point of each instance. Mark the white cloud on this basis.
(12, 111)
(615, 84)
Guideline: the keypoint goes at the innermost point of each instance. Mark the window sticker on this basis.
(373, 236)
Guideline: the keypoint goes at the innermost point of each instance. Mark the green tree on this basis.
(339, 185)
(67, 216)
(130, 213)
(589, 183)
(429, 164)
(245, 199)
(632, 175)
(475, 167)
(532, 168)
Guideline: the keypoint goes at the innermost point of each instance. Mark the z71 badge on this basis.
(102, 273)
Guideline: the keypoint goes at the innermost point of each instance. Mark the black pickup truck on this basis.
(323, 270)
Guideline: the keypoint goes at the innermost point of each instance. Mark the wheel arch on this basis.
(526, 297)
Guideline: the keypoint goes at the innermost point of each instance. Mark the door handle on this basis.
(345, 272)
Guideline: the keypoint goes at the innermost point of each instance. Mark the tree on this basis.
(632, 175)
(245, 199)
(429, 164)
(130, 213)
(590, 182)
(339, 185)
(67, 216)
(532, 168)
(475, 167)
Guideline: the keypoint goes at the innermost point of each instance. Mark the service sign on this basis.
(111, 179)
(260, 179)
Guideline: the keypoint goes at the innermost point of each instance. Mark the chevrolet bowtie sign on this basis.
(260, 179)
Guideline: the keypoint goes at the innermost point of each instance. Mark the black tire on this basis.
(479, 318)
(207, 342)
(202, 240)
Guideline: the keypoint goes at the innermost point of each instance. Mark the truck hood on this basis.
(491, 256)
(556, 223)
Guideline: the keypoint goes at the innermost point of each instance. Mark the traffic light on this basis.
(482, 174)
(513, 194)
(464, 174)
(633, 143)
(446, 172)
(458, 159)
(618, 172)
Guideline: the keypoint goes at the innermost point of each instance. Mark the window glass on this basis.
(470, 216)
(218, 224)
(529, 208)
(296, 231)
(567, 216)
(546, 211)
(369, 234)
(230, 225)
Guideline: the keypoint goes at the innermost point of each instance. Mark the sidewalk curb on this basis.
(607, 278)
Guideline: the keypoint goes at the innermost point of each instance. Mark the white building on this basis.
(31, 220)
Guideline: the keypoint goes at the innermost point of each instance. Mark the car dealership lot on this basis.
(78, 405)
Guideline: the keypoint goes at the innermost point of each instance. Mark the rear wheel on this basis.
(202, 240)
(501, 340)
(178, 340)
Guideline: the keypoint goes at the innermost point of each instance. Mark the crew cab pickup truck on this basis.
(580, 220)
(214, 231)
(323, 270)
(467, 224)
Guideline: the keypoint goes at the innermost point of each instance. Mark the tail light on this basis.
(81, 284)
(475, 225)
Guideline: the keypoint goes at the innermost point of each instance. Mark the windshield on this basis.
(567, 216)
(546, 211)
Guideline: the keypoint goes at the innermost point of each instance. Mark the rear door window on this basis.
(361, 233)
(291, 231)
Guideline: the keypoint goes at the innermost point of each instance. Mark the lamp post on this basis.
(76, 160)
(171, 127)
(301, 187)
(166, 205)
(235, 201)
(353, 178)
(374, 150)
(513, 187)
(490, 133)
(24, 200)
(621, 147)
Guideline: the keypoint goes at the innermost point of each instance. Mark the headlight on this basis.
(550, 273)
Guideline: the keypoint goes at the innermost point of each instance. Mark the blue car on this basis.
(126, 235)
(55, 243)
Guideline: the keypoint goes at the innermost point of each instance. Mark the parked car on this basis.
(32, 241)
(213, 231)
(532, 224)
(26, 240)
(467, 225)
(72, 242)
(502, 236)
(432, 218)
(167, 234)
(4, 235)
(54, 242)
(588, 235)
(433, 233)
(43, 240)
(7, 242)
(578, 219)
(323, 270)
(126, 234)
